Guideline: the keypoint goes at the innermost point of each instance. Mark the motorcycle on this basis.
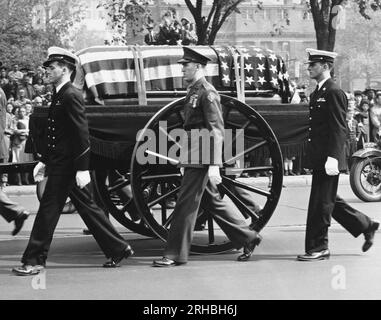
(365, 173)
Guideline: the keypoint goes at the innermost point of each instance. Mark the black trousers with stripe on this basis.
(57, 189)
(325, 204)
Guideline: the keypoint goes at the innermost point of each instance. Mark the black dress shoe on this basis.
(114, 262)
(165, 263)
(315, 256)
(369, 235)
(248, 249)
(27, 270)
(19, 222)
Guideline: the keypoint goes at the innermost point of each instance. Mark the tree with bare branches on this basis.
(328, 17)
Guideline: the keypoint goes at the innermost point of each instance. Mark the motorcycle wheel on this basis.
(365, 179)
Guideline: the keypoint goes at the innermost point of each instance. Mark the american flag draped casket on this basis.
(124, 71)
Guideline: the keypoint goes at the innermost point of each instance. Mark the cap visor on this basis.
(182, 61)
(47, 63)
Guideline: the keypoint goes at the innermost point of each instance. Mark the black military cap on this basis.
(357, 93)
(191, 55)
(320, 56)
(56, 54)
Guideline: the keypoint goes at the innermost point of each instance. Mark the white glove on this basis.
(182, 170)
(214, 176)
(83, 179)
(39, 172)
(332, 167)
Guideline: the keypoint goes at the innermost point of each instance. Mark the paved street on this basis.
(74, 270)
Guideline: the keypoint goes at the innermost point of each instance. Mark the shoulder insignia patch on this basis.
(212, 96)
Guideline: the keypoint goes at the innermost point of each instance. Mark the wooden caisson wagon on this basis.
(141, 87)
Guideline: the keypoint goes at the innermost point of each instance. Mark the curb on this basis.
(20, 190)
(295, 181)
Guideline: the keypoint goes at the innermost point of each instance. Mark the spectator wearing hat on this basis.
(326, 157)
(375, 118)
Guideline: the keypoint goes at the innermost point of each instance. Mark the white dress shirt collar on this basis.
(59, 87)
(320, 84)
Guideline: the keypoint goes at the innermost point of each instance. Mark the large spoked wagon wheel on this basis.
(240, 184)
(113, 187)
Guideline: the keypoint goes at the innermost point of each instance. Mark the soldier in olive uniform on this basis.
(326, 157)
(201, 174)
(67, 168)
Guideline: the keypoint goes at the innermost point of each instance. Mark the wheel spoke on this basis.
(162, 177)
(247, 187)
(124, 208)
(119, 186)
(169, 221)
(242, 154)
(163, 197)
(240, 205)
(236, 136)
(250, 169)
(160, 156)
(211, 230)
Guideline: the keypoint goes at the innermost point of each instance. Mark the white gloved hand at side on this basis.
(214, 176)
(39, 172)
(83, 179)
(332, 166)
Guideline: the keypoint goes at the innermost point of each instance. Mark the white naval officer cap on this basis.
(315, 55)
(60, 55)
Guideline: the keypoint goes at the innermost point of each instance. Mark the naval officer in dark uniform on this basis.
(202, 175)
(327, 135)
(67, 168)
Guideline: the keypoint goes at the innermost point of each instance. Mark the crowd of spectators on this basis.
(25, 89)
(171, 31)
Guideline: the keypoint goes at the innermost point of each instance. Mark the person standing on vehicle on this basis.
(201, 176)
(327, 134)
(67, 168)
